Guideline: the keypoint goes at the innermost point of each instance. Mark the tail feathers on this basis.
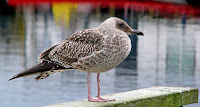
(47, 73)
(42, 76)
(23, 74)
(31, 71)
(45, 67)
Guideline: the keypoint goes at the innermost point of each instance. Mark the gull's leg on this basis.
(88, 84)
(89, 91)
(99, 99)
(98, 94)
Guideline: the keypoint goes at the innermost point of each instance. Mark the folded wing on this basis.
(71, 49)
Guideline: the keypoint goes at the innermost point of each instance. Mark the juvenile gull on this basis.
(92, 51)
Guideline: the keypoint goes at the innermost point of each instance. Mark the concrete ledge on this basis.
(147, 97)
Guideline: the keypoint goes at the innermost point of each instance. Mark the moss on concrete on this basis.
(148, 97)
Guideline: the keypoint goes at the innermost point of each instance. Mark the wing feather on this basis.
(71, 49)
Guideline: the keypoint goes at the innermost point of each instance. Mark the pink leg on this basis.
(88, 84)
(98, 95)
(99, 99)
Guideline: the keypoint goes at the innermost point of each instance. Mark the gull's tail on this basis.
(44, 69)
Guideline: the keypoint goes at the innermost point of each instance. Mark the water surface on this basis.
(168, 55)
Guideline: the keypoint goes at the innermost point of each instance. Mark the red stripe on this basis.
(147, 5)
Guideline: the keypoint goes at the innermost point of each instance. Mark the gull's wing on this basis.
(70, 50)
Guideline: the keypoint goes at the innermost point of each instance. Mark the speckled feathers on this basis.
(70, 50)
(92, 50)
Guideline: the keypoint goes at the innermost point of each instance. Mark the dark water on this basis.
(168, 55)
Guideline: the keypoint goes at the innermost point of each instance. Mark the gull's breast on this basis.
(115, 50)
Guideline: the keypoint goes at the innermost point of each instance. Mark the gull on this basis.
(91, 50)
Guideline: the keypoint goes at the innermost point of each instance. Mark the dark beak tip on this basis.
(140, 33)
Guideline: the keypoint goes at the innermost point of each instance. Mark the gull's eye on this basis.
(122, 26)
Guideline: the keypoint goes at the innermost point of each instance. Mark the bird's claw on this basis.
(99, 99)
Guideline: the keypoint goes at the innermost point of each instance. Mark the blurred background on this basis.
(168, 54)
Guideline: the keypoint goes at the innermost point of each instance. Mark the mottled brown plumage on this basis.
(92, 50)
(79, 45)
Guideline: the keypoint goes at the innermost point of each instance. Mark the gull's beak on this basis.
(137, 32)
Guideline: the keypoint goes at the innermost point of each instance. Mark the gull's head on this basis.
(119, 24)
